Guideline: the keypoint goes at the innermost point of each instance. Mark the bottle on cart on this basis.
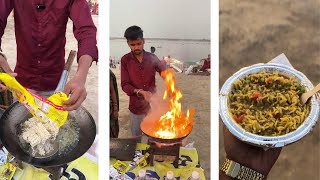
(170, 176)
(194, 176)
(142, 175)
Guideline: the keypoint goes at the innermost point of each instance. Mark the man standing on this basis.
(114, 106)
(138, 70)
(40, 29)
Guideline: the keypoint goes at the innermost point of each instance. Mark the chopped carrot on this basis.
(256, 95)
(239, 118)
(269, 79)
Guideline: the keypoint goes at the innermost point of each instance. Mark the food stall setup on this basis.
(261, 104)
(165, 153)
(29, 141)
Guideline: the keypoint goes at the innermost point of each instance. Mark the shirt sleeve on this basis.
(158, 65)
(84, 29)
(5, 9)
(125, 79)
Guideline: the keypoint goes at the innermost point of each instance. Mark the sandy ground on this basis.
(257, 31)
(91, 103)
(196, 92)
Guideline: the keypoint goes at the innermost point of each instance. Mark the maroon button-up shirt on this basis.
(136, 75)
(40, 37)
(206, 65)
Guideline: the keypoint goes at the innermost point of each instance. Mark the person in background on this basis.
(110, 62)
(90, 5)
(138, 70)
(153, 49)
(95, 8)
(254, 161)
(163, 62)
(40, 31)
(206, 64)
(168, 61)
(114, 106)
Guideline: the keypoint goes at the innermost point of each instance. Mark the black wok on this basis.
(17, 113)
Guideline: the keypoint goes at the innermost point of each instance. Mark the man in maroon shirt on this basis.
(138, 70)
(40, 29)
(206, 64)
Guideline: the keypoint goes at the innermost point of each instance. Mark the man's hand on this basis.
(76, 86)
(5, 66)
(250, 156)
(146, 95)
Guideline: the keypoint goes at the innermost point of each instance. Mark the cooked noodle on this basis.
(268, 104)
(39, 135)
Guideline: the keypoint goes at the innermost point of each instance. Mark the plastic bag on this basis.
(42, 109)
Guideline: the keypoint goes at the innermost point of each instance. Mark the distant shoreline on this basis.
(165, 39)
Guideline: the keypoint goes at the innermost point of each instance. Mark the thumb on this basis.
(8, 70)
(5, 66)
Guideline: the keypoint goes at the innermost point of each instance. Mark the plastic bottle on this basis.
(170, 176)
(142, 175)
(195, 176)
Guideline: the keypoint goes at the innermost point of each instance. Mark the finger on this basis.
(226, 133)
(3, 87)
(69, 106)
(77, 104)
(13, 74)
(8, 70)
(74, 97)
(5, 66)
(232, 143)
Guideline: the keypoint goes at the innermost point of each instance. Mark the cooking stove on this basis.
(160, 150)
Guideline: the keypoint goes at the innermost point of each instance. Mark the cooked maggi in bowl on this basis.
(261, 105)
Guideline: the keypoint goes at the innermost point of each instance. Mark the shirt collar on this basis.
(134, 57)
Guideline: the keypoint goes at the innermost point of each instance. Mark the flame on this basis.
(173, 123)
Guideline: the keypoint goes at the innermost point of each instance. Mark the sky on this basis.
(172, 19)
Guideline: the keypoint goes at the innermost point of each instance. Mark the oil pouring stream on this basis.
(173, 124)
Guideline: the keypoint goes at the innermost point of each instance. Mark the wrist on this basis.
(223, 176)
(138, 92)
(80, 78)
(236, 170)
(84, 64)
(252, 165)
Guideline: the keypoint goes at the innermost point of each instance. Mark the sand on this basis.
(91, 102)
(196, 92)
(257, 31)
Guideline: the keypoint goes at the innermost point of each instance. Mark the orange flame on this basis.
(174, 123)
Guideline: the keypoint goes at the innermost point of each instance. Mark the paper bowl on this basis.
(267, 141)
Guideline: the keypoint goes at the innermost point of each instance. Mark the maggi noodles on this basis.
(267, 104)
